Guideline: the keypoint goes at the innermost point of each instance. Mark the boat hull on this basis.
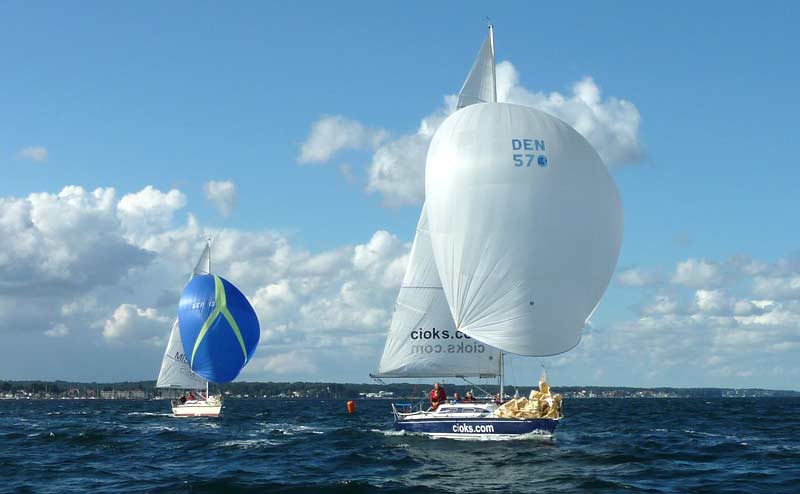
(479, 428)
(197, 409)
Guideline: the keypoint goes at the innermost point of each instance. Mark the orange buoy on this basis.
(351, 406)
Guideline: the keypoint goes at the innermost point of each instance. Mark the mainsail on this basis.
(480, 85)
(175, 370)
(422, 339)
(526, 226)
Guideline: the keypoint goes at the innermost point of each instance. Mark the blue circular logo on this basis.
(542, 160)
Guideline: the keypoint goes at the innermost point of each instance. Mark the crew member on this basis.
(438, 396)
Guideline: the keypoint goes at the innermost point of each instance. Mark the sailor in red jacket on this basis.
(438, 396)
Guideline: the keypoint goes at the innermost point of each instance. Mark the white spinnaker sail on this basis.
(480, 85)
(526, 226)
(422, 340)
(175, 369)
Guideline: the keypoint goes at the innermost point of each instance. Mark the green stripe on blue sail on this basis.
(217, 352)
(219, 306)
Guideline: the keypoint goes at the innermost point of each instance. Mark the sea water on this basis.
(302, 446)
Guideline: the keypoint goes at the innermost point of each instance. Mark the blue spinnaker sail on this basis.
(219, 328)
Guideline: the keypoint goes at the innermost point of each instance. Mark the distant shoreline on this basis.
(145, 390)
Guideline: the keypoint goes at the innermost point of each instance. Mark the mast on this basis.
(500, 376)
(208, 243)
(494, 73)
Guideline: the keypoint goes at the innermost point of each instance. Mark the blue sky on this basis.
(174, 95)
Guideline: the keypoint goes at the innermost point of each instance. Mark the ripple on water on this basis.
(301, 446)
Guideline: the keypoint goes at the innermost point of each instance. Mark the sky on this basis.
(295, 134)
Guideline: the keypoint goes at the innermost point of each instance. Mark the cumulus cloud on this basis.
(333, 133)
(83, 266)
(291, 363)
(63, 242)
(662, 304)
(397, 167)
(58, 330)
(717, 324)
(222, 194)
(637, 277)
(34, 153)
(696, 273)
(611, 124)
(711, 301)
(149, 209)
(132, 323)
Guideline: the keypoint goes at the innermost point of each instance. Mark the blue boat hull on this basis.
(478, 428)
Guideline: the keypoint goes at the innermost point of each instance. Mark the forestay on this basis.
(480, 85)
(422, 340)
(526, 226)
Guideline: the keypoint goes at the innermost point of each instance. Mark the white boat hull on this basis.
(198, 408)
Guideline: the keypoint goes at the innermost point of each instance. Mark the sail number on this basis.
(528, 159)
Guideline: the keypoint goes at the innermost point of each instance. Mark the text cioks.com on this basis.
(437, 334)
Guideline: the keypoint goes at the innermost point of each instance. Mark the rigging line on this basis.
(476, 385)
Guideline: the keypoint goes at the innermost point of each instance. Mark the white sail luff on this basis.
(494, 71)
(421, 311)
(480, 85)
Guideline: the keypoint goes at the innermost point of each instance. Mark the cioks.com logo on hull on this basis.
(473, 429)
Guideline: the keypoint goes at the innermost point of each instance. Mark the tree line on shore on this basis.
(301, 389)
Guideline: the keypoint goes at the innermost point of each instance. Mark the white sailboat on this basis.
(176, 373)
(519, 236)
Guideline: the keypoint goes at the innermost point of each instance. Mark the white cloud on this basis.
(637, 277)
(663, 304)
(695, 273)
(71, 270)
(397, 168)
(34, 153)
(222, 194)
(149, 209)
(611, 125)
(331, 134)
(57, 331)
(711, 301)
(132, 323)
(729, 335)
(779, 287)
(289, 363)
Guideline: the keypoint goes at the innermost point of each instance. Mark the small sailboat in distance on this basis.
(219, 331)
(213, 338)
(176, 373)
(522, 225)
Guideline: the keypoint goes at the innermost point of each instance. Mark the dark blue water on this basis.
(668, 445)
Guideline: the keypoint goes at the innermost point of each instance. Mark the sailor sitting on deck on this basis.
(438, 396)
(456, 398)
(468, 398)
(191, 396)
